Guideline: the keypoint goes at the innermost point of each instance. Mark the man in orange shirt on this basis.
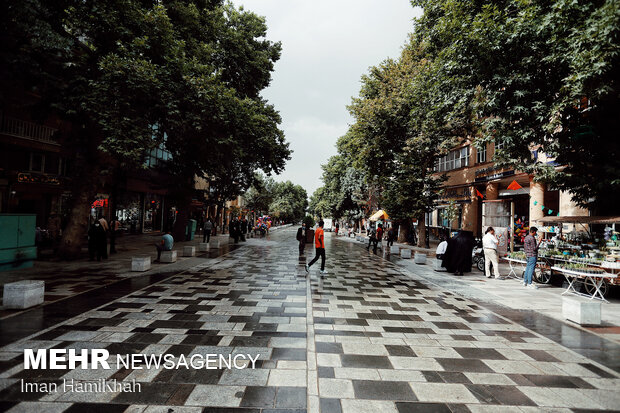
(319, 244)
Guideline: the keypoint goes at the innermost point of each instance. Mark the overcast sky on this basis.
(326, 47)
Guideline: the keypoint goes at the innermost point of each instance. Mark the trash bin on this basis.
(191, 230)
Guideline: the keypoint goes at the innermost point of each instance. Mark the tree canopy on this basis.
(133, 75)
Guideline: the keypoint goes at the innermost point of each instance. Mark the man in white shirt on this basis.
(489, 245)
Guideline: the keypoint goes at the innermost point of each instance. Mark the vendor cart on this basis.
(595, 267)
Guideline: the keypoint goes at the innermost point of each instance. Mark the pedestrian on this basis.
(489, 246)
(531, 244)
(115, 227)
(208, 226)
(372, 237)
(301, 237)
(457, 258)
(243, 226)
(337, 228)
(379, 239)
(441, 248)
(95, 235)
(319, 245)
(103, 240)
(233, 229)
(391, 235)
(166, 244)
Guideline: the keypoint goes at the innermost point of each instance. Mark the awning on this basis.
(580, 220)
(380, 214)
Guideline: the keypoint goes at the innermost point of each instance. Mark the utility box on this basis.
(17, 247)
(191, 230)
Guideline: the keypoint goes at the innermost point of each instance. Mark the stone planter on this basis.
(23, 294)
(169, 256)
(189, 251)
(419, 258)
(582, 311)
(140, 263)
(438, 266)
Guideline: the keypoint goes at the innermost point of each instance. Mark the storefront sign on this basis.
(456, 194)
(100, 203)
(31, 178)
(490, 173)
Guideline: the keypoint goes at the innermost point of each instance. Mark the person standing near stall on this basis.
(489, 246)
(531, 244)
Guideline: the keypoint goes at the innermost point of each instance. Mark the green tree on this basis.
(132, 75)
(289, 202)
(537, 77)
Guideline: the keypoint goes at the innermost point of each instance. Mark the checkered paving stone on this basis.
(367, 337)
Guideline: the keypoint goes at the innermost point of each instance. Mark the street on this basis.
(369, 336)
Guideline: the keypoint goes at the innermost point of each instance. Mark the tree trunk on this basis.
(421, 231)
(404, 230)
(74, 234)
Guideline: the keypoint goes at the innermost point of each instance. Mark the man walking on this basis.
(371, 238)
(489, 245)
(243, 225)
(319, 244)
(115, 226)
(391, 235)
(206, 237)
(301, 237)
(379, 239)
(531, 253)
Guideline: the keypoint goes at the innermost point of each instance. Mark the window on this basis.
(37, 162)
(499, 145)
(458, 158)
(481, 155)
(159, 154)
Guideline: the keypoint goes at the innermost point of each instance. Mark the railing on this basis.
(28, 130)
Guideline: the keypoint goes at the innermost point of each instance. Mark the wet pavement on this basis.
(370, 336)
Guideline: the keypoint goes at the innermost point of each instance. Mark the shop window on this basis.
(52, 164)
(481, 155)
(37, 162)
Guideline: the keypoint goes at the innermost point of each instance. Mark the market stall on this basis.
(589, 259)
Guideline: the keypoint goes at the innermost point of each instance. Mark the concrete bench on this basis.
(189, 251)
(405, 253)
(581, 310)
(438, 266)
(203, 247)
(140, 263)
(419, 258)
(23, 294)
(169, 256)
(394, 249)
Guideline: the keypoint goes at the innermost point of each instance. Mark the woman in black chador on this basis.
(457, 258)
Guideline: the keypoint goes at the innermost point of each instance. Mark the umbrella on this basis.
(380, 214)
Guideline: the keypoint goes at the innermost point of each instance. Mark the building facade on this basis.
(485, 194)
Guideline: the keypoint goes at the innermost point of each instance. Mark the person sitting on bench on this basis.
(166, 244)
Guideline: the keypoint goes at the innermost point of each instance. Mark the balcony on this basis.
(27, 130)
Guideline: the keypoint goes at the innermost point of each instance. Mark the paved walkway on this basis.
(509, 293)
(65, 279)
(371, 336)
